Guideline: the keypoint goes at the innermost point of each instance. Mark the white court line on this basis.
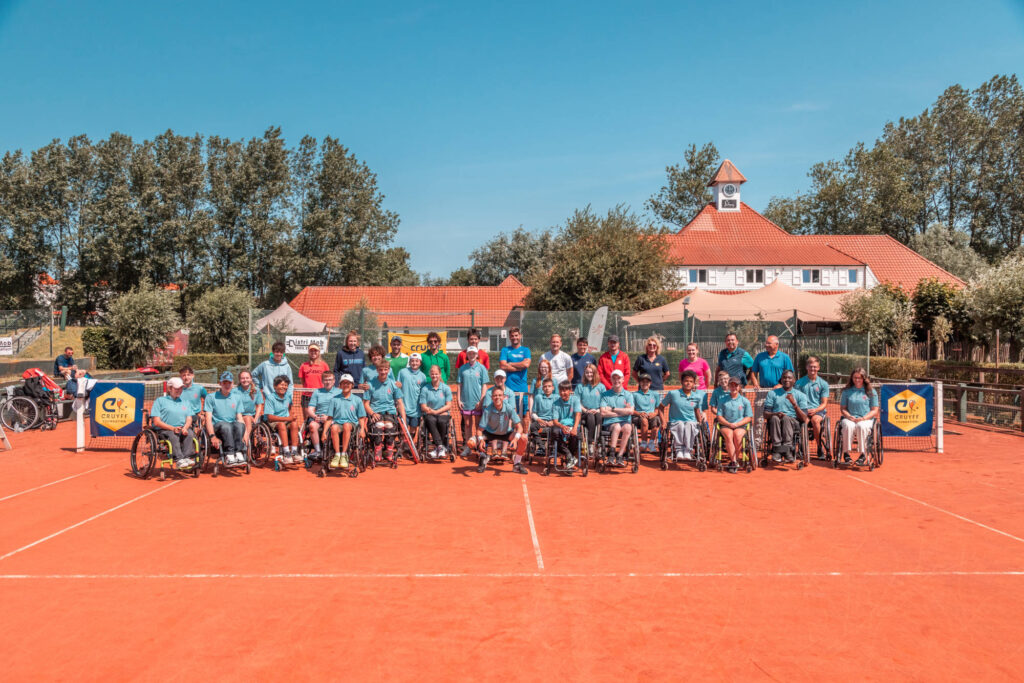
(86, 521)
(15, 495)
(933, 507)
(515, 575)
(533, 529)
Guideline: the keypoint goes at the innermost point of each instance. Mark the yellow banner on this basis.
(417, 343)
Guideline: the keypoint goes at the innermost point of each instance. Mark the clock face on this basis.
(729, 190)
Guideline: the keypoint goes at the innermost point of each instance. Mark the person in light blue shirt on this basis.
(250, 401)
(646, 419)
(500, 426)
(277, 411)
(617, 414)
(859, 406)
(224, 425)
(192, 394)
(784, 410)
(375, 356)
(272, 368)
(721, 390)
(770, 364)
(383, 403)
(411, 380)
(499, 381)
(349, 414)
(542, 412)
(566, 412)
(472, 383)
(734, 414)
(319, 412)
(685, 407)
(589, 392)
(172, 420)
(515, 360)
(435, 402)
(816, 390)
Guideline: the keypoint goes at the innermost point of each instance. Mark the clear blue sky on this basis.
(480, 117)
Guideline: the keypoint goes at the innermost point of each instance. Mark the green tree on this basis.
(218, 321)
(141, 321)
(614, 260)
(686, 191)
(520, 253)
(935, 299)
(948, 249)
(995, 299)
(361, 318)
(884, 313)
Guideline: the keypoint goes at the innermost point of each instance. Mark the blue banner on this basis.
(116, 408)
(907, 409)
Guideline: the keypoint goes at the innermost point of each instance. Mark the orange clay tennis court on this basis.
(432, 571)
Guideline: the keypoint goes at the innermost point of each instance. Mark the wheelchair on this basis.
(875, 453)
(357, 461)
(823, 444)
(747, 457)
(702, 445)
(423, 442)
(394, 433)
(265, 441)
(546, 449)
(801, 444)
(603, 452)
(21, 411)
(149, 450)
(309, 457)
(213, 458)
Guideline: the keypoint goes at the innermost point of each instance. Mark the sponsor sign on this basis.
(6, 346)
(301, 344)
(907, 409)
(116, 408)
(417, 343)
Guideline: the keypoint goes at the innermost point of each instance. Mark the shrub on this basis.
(207, 361)
(219, 321)
(140, 323)
(97, 342)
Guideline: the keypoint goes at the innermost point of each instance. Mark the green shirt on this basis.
(440, 359)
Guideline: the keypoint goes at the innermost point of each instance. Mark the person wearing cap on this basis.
(613, 359)
(515, 360)
(411, 380)
(471, 385)
(192, 394)
(319, 412)
(224, 424)
(172, 419)
(349, 414)
(269, 370)
(435, 355)
(500, 424)
(499, 381)
(311, 373)
(435, 403)
(277, 411)
(734, 414)
(580, 360)
(349, 359)
(646, 419)
(396, 359)
(685, 407)
(473, 337)
(617, 414)
(383, 404)
(561, 362)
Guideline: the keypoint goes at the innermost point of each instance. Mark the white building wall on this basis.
(734, 277)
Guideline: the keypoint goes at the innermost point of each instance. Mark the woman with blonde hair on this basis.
(652, 363)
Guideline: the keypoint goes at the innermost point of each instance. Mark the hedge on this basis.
(206, 361)
(97, 342)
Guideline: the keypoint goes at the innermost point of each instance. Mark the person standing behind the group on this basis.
(396, 359)
(471, 387)
(376, 356)
(561, 362)
(311, 373)
(515, 360)
(350, 359)
(611, 360)
(769, 365)
(435, 356)
(473, 337)
(272, 368)
(580, 360)
(700, 367)
(653, 364)
(735, 360)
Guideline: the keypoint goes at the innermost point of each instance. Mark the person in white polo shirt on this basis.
(561, 362)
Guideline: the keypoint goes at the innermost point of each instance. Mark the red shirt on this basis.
(481, 358)
(605, 367)
(312, 374)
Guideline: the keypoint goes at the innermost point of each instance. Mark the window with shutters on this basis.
(755, 276)
(852, 276)
(698, 276)
(812, 276)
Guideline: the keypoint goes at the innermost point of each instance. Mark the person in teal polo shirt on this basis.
(784, 410)
(617, 413)
(542, 413)
(816, 390)
(435, 402)
(734, 414)
(567, 414)
(735, 360)
(384, 407)
(859, 406)
(277, 410)
(172, 419)
(770, 364)
(646, 419)
(685, 407)
(319, 412)
(192, 394)
(348, 414)
(224, 423)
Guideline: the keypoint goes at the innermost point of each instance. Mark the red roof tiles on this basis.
(890, 260)
(727, 173)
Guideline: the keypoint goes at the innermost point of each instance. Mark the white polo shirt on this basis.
(560, 365)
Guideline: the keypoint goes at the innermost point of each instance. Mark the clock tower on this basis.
(725, 186)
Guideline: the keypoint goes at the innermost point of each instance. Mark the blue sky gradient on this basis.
(480, 117)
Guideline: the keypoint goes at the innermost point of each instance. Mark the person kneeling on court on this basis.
(617, 414)
(733, 413)
(319, 411)
(685, 407)
(348, 414)
(278, 412)
(224, 423)
(384, 407)
(784, 409)
(173, 421)
(496, 426)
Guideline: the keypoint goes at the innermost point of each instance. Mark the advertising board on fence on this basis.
(6, 346)
(295, 344)
(417, 343)
(116, 408)
(907, 409)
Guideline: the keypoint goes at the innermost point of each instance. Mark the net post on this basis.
(940, 401)
(79, 426)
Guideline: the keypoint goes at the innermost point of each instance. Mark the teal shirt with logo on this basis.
(247, 404)
(435, 399)
(544, 405)
(815, 391)
(193, 396)
(622, 399)
(322, 400)
(857, 402)
(347, 409)
(412, 382)
(223, 408)
(734, 409)
(383, 396)
(684, 407)
(277, 406)
(589, 396)
(472, 380)
(173, 411)
(565, 411)
(776, 402)
(645, 401)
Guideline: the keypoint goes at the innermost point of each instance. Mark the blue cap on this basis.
(227, 377)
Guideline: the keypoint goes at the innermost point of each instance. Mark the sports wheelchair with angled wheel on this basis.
(550, 446)
(423, 442)
(149, 450)
(701, 447)
(799, 452)
(604, 457)
(875, 452)
(823, 444)
(357, 456)
(747, 457)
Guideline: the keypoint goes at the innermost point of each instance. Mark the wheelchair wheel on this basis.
(700, 454)
(750, 449)
(204, 447)
(634, 441)
(19, 413)
(837, 446)
(804, 456)
(825, 439)
(877, 446)
(665, 447)
(144, 453)
(261, 440)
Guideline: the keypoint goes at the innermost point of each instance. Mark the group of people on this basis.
(373, 391)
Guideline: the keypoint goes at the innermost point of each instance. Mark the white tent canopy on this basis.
(287, 319)
(772, 302)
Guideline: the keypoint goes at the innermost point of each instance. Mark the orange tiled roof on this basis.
(727, 173)
(890, 260)
(419, 307)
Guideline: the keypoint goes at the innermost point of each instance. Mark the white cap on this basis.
(175, 383)
(472, 349)
(501, 373)
(416, 356)
(617, 372)
(346, 378)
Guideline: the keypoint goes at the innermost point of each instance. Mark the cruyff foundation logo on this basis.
(115, 410)
(907, 410)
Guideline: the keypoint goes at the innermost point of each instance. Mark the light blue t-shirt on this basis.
(589, 395)
(734, 409)
(489, 397)
(543, 407)
(857, 402)
(769, 370)
(223, 408)
(246, 403)
(645, 401)
(411, 381)
(193, 396)
(173, 411)
(622, 399)
(370, 372)
(435, 399)
(716, 396)
(684, 407)
(347, 409)
(565, 411)
(516, 381)
(267, 371)
(815, 391)
(472, 379)
(277, 406)
(499, 421)
(776, 401)
(382, 396)
(322, 400)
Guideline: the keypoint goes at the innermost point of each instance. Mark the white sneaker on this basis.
(286, 459)
(432, 453)
(442, 452)
(239, 458)
(185, 462)
(687, 456)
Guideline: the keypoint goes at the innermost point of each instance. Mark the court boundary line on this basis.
(86, 521)
(533, 528)
(935, 507)
(518, 575)
(36, 488)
